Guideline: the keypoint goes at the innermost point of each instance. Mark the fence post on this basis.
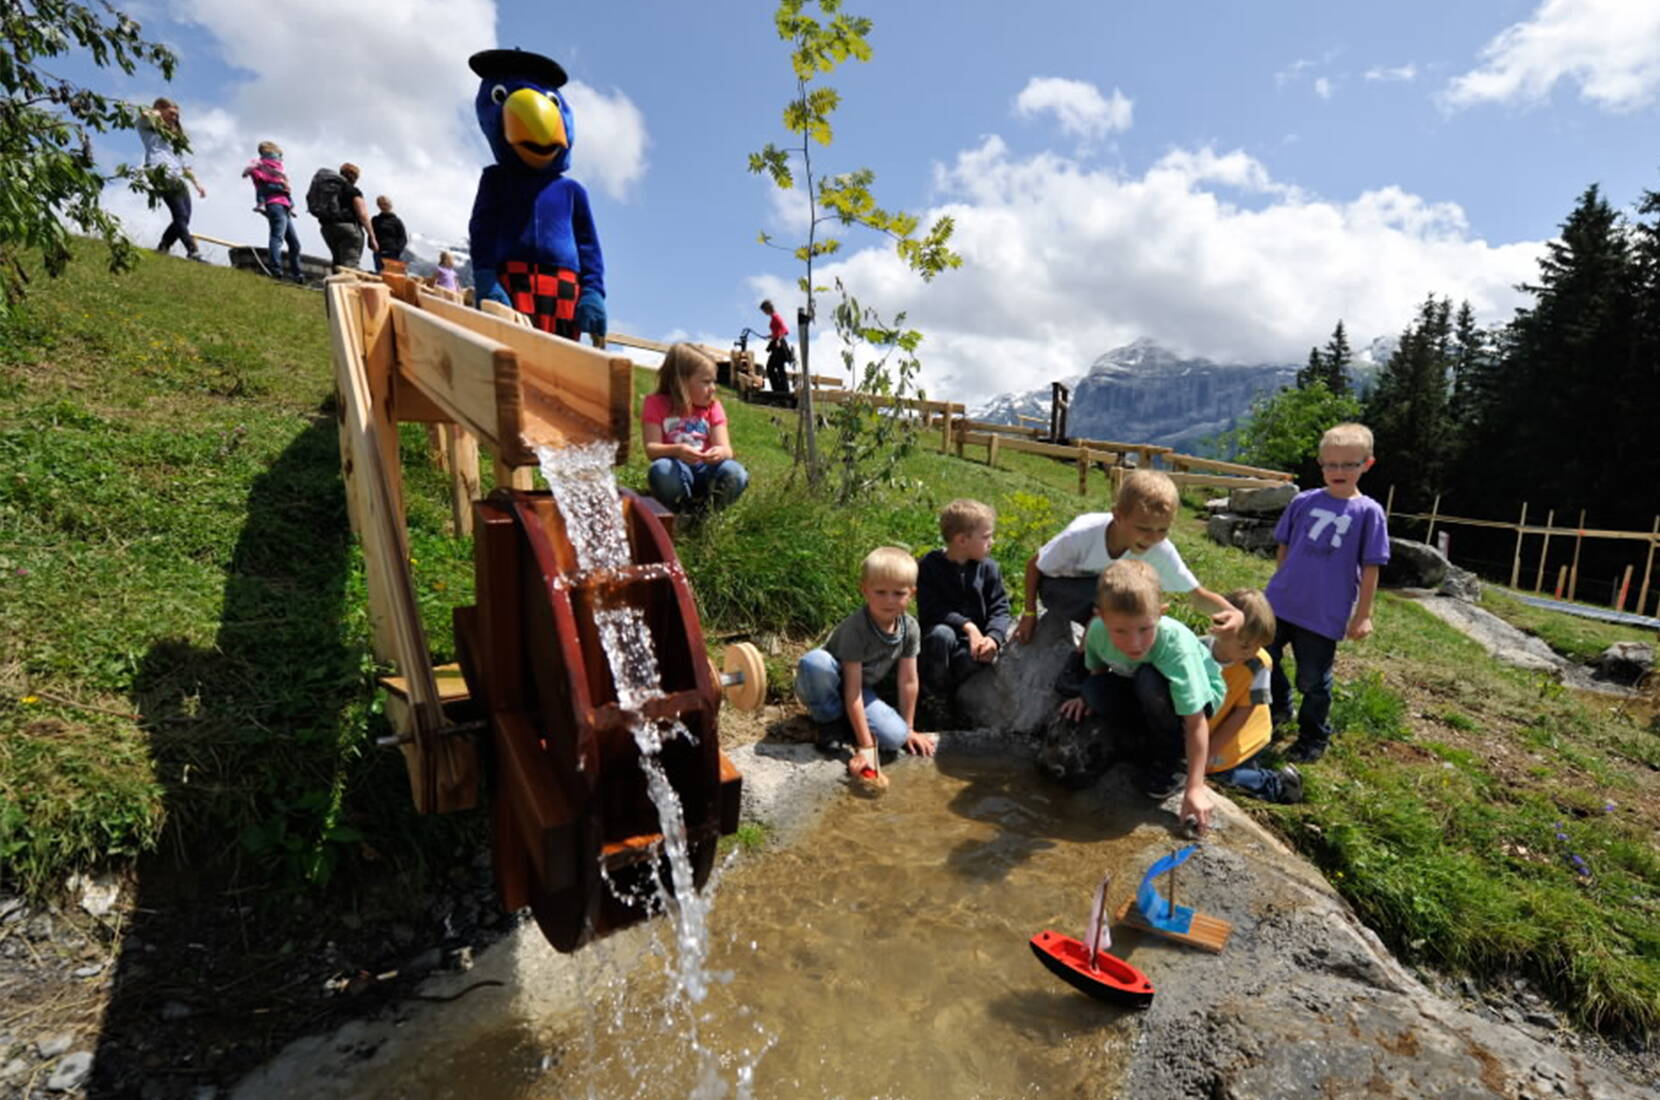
(1516, 562)
(1544, 549)
(1573, 574)
(1642, 595)
(991, 449)
(1389, 506)
(1625, 586)
(1083, 470)
(945, 431)
(1434, 510)
(1561, 581)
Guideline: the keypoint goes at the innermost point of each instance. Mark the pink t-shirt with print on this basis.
(694, 427)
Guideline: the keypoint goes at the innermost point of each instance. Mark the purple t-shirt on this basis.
(1327, 542)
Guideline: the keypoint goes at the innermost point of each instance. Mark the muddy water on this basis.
(882, 955)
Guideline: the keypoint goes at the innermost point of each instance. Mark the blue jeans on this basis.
(282, 229)
(177, 198)
(1252, 778)
(1314, 654)
(679, 484)
(818, 684)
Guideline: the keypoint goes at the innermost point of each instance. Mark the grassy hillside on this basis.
(184, 658)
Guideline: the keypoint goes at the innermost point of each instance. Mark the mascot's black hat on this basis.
(521, 63)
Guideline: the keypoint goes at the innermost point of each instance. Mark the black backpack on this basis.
(325, 199)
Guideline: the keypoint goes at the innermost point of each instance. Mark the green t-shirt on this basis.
(1195, 679)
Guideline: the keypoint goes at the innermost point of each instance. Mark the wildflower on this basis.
(1608, 807)
(29, 700)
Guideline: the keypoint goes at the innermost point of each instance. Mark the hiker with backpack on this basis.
(334, 200)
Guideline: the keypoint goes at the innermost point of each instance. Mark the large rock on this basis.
(1269, 500)
(1413, 565)
(1461, 584)
(1017, 695)
(1243, 533)
(1625, 662)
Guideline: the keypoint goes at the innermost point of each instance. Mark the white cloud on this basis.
(1077, 105)
(1062, 262)
(1293, 71)
(1322, 87)
(381, 83)
(1610, 48)
(1404, 74)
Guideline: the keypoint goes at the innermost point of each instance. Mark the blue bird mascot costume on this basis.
(534, 246)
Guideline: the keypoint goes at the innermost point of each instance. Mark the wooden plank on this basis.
(580, 392)
(1005, 429)
(1648, 567)
(1516, 561)
(464, 478)
(1539, 578)
(1206, 932)
(1579, 540)
(1223, 481)
(473, 379)
(379, 365)
(452, 686)
(1434, 511)
(1193, 462)
(1144, 449)
(442, 770)
(493, 308)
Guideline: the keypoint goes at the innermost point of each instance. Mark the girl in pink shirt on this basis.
(684, 428)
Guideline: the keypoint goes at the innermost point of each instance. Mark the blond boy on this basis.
(960, 599)
(1153, 685)
(1241, 727)
(1063, 573)
(837, 682)
(1332, 543)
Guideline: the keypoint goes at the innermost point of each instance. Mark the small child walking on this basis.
(684, 428)
(837, 682)
(445, 278)
(1332, 542)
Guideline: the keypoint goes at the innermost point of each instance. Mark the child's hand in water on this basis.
(921, 744)
(1074, 709)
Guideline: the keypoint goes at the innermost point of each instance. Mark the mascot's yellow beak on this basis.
(533, 127)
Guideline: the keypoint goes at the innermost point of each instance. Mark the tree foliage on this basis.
(1409, 411)
(818, 45)
(49, 180)
(1282, 431)
(1331, 365)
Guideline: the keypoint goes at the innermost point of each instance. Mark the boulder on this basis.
(1270, 501)
(1220, 504)
(1461, 584)
(1243, 532)
(1625, 662)
(1017, 694)
(1413, 565)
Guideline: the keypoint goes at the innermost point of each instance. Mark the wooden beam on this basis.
(473, 379)
(1648, 566)
(464, 477)
(1579, 539)
(559, 378)
(1516, 561)
(1544, 550)
(1184, 463)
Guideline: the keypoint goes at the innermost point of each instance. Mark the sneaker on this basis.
(1160, 781)
(197, 258)
(1307, 750)
(834, 736)
(1291, 785)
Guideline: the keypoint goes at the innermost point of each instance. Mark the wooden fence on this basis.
(1088, 454)
(1567, 576)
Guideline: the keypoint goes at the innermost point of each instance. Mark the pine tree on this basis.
(1335, 361)
(1313, 372)
(1408, 411)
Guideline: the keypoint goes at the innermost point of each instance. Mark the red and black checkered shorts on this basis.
(548, 298)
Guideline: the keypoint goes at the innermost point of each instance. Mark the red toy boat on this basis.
(1087, 966)
(1114, 980)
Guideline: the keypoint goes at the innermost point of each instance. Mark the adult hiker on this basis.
(165, 164)
(334, 200)
(390, 234)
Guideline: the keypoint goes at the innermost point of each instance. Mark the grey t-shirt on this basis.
(857, 638)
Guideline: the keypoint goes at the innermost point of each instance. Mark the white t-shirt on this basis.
(1081, 551)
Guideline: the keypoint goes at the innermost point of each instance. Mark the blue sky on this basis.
(1227, 178)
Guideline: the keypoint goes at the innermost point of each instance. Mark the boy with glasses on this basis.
(1332, 543)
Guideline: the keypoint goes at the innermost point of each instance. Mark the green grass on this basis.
(1576, 638)
(185, 636)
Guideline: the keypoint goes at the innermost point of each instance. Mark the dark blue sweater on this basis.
(957, 594)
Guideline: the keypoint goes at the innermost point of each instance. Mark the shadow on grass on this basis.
(258, 742)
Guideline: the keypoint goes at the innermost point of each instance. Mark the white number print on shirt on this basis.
(1324, 518)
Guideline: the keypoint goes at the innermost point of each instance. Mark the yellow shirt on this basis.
(1244, 684)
